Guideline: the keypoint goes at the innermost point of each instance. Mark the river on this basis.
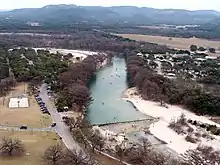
(106, 90)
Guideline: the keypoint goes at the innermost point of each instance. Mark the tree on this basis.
(79, 137)
(162, 99)
(79, 95)
(201, 156)
(193, 48)
(11, 146)
(145, 155)
(96, 140)
(54, 155)
(121, 150)
(73, 122)
(32, 87)
(212, 50)
(201, 48)
(76, 158)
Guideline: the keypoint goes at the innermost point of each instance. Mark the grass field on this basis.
(172, 42)
(31, 116)
(35, 145)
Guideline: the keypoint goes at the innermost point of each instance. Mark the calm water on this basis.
(106, 89)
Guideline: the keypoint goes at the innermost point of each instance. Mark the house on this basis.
(211, 58)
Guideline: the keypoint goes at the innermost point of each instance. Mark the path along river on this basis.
(106, 90)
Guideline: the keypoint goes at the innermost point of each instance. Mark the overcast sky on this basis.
(177, 4)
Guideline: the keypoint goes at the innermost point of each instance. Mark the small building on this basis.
(171, 74)
(140, 54)
(19, 102)
(200, 59)
(211, 58)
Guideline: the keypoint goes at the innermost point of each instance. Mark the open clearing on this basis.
(172, 42)
(35, 145)
(31, 116)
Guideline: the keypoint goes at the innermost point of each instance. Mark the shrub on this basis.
(190, 121)
(207, 136)
(190, 130)
(177, 127)
(190, 139)
(197, 134)
(215, 131)
(194, 122)
(202, 125)
(182, 120)
(211, 127)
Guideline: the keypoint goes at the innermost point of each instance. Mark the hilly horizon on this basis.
(71, 14)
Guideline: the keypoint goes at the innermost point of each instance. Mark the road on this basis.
(159, 69)
(61, 129)
(10, 128)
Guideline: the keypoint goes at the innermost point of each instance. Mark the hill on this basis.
(129, 15)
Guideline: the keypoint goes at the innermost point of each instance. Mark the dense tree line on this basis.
(26, 64)
(72, 84)
(156, 87)
(87, 40)
(4, 67)
(206, 31)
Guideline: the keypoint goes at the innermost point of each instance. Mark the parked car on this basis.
(39, 99)
(64, 117)
(23, 127)
(36, 96)
(41, 103)
(42, 106)
(44, 109)
(53, 125)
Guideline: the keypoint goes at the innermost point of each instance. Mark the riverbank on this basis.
(165, 115)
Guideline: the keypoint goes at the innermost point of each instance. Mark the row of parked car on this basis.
(41, 104)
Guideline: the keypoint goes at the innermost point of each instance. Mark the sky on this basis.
(161, 4)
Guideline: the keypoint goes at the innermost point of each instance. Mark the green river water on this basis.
(106, 90)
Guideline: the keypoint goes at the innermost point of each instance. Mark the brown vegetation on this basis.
(156, 87)
(191, 139)
(57, 155)
(174, 42)
(72, 84)
(10, 147)
(34, 143)
(202, 156)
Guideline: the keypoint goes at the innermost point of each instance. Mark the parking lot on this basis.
(41, 104)
(32, 116)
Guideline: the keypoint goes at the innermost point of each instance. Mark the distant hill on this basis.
(72, 14)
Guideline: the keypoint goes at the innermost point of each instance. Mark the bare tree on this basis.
(145, 155)
(97, 141)
(32, 87)
(162, 99)
(76, 158)
(54, 155)
(11, 146)
(202, 156)
(73, 122)
(121, 150)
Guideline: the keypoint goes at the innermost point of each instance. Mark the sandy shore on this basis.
(161, 130)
